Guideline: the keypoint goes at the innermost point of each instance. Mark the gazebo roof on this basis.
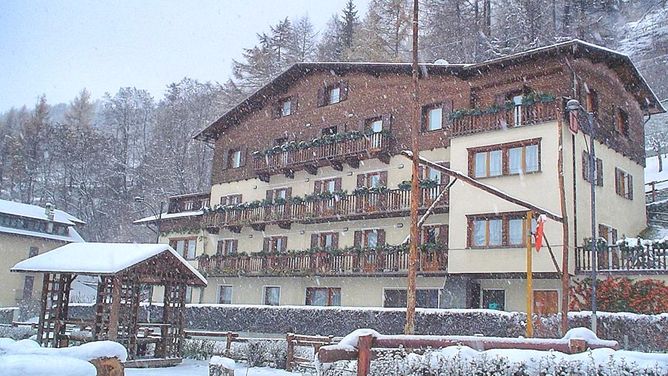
(106, 259)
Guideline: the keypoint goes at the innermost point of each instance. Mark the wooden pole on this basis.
(115, 308)
(364, 354)
(565, 276)
(529, 277)
(415, 126)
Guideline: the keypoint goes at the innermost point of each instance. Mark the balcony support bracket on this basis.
(384, 157)
(212, 229)
(285, 225)
(258, 226)
(289, 173)
(311, 169)
(263, 177)
(337, 165)
(353, 162)
(235, 229)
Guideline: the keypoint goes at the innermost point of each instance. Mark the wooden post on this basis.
(364, 354)
(291, 351)
(115, 308)
(413, 246)
(529, 332)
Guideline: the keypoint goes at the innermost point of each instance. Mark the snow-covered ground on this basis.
(191, 367)
(652, 171)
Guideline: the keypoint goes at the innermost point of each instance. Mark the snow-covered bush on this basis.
(278, 354)
(21, 332)
(200, 349)
(256, 352)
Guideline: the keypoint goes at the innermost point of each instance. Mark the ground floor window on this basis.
(272, 295)
(323, 296)
(224, 295)
(424, 298)
(494, 299)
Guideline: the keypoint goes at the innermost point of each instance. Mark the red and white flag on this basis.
(539, 231)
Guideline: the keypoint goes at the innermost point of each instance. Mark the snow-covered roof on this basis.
(98, 259)
(37, 212)
(71, 237)
(154, 218)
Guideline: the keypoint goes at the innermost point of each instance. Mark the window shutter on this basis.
(421, 172)
(387, 122)
(500, 99)
(275, 110)
(226, 154)
(242, 158)
(599, 172)
(265, 245)
(337, 184)
(314, 240)
(361, 179)
(235, 246)
(447, 110)
(284, 242)
(221, 247)
(321, 96)
(270, 194)
(617, 181)
(630, 187)
(443, 235)
(361, 125)
(357, 242)
(423, 118)
(614, 235)
(381, 237)
(335, 240)
(343, 86)
(383, 178)
(288, 192)
(317, 186)
(294, 102)
(585, 166)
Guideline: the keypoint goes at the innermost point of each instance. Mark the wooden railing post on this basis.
(291, 351)
(364, 354)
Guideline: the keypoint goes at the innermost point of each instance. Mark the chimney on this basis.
(49, 211)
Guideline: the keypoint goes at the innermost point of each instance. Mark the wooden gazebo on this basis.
(122, 269)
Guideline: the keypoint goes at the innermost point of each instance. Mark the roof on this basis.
(617, 61)
(37, 212)
(100, 259)
(71, 237)
(154, 218)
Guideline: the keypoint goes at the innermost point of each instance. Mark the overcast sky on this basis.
(59, 47)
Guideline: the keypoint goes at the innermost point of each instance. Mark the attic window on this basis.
(332, 94)
(286, 107)
(622, 122)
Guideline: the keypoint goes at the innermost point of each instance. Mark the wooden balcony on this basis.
(535, 113)
(390, 203)
(333, 153)
(645, 259)
(392, 261)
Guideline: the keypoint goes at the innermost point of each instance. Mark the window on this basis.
(494, 299)
(330, 131)
(327, 185)
(272, 295)
(598, 170)
(432, 117)
(333, 94)
(224, 294)
(189, 295)
(497, 230)
(278, 193)
(275, 244)
(328, 240)
(623, 184)
(505, 159)
(424, 298)
(608, 233)
(592, 101)
(372, 179)
(227, 247)
(34, 251)
(435, 234)
(230, 200)
(622, 121)
(28, 283)
(369, 238)
(234, 159)
(185, 247)
(374, 125)
(323, 296)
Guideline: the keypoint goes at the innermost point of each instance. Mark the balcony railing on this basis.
(351, 206)
(535, 113)
(361, 147)
(652, 258)
(368, 261)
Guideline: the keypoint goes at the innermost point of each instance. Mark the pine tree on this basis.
(303, 41)
(349, 23)
(330, 46)
(281, 41)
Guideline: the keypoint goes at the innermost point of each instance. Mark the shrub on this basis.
(278, 354)
(622, 295)
(256, 352)
(200, 349)
(18, 333)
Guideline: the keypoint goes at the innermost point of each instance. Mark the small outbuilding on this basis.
(123, 270)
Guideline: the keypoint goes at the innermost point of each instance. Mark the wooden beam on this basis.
(337, 165)
(311, 169)
(487, 188)
(115, 308)
(289, 173)
(353, 162)
(263, 177)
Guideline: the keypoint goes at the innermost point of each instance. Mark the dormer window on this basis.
(332, 94)
(286, 107)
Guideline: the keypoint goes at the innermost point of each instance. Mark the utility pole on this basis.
(529, 331)
(415, 128)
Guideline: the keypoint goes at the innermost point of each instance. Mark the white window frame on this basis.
(219, 289)
(264, 294)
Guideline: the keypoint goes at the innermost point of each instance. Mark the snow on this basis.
(191, 367)
(652, 172)
(73, 235)
(87, 351)
(37, 212)
(352, 339)
(109, 258)
(169, 216)
(44, 365)
(225, 362)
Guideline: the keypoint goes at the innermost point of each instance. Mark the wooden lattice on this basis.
(55, 299)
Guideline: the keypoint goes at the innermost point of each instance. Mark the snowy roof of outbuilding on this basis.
(100, 259)
(37, 212)
(72, 234)
(573, 47)
(154, 218)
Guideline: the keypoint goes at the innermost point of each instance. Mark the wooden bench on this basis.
(297, 340)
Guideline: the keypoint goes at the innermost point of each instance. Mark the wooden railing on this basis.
(651, 258)
(323, 263)
(519, 116)
(315, 155)
(336, 208)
